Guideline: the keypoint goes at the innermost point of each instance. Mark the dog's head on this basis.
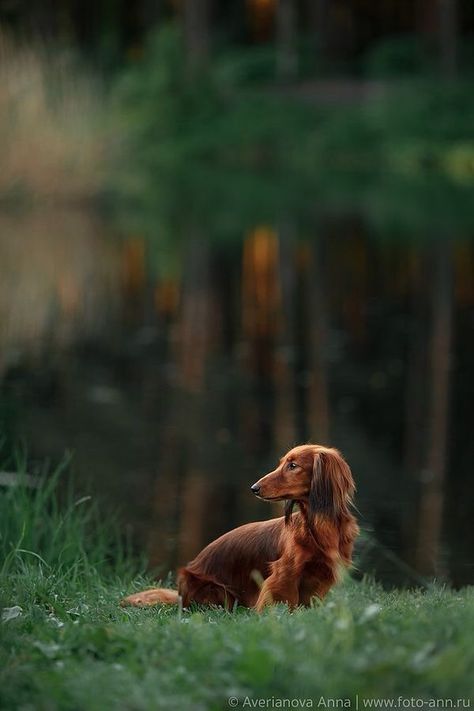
(312, 474)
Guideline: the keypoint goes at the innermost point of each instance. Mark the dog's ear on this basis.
(332, 485)
(289, 505)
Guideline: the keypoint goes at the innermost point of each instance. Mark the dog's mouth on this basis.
(257, 490)
(270, 498)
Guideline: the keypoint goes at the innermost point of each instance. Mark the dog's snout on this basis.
(255, 488)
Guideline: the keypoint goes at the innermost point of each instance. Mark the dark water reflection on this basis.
(179, 375)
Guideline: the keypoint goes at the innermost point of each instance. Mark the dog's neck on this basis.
(309, 517)
(311, 521)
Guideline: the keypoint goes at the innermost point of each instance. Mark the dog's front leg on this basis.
(281, 585)
(275, 590)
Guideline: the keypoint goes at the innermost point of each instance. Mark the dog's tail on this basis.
(152, 596)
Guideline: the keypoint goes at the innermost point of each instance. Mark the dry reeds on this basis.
(52, 133)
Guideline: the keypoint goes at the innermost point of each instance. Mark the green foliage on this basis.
(434, 111)
(428, 128)
(172, 119)
(44, 525)
(411, 56)
(149, 99)
(417, 128)
(399, 56)
(237, 68)
(237, 151)
(228, 117)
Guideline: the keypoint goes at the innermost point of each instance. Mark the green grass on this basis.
(66, 644)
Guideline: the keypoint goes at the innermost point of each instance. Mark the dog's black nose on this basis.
(255, 488)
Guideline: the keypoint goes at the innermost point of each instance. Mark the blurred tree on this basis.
(286, 39)
(317, 12)
(261, 19)
(196, 26)
(284, 372)
(318, 413)
(153, 12)
(448, 18)
(430, 515)
(108, 28)
(439, 21)
(416, 391)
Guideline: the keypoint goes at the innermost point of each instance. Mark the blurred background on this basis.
(230, 226)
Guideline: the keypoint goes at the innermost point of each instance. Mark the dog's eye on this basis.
(292, 465)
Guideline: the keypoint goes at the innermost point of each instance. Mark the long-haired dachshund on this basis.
(289, 559)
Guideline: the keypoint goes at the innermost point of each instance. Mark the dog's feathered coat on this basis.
(289, 559)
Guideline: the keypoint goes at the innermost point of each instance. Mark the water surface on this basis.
(178, 368)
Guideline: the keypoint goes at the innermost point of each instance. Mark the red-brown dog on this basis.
(289, 559)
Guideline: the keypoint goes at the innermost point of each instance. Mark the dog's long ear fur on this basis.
(332, 485)
(289, 505)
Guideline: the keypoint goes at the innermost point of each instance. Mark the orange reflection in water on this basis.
(261, 296)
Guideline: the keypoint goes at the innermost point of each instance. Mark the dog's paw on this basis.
(147, 598)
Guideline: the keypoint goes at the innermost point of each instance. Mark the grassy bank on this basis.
(65, 643)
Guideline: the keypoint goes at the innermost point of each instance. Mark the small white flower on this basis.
(49, 649)
(11, 613)
(370, 612)
(342, 623)
(54, 621)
